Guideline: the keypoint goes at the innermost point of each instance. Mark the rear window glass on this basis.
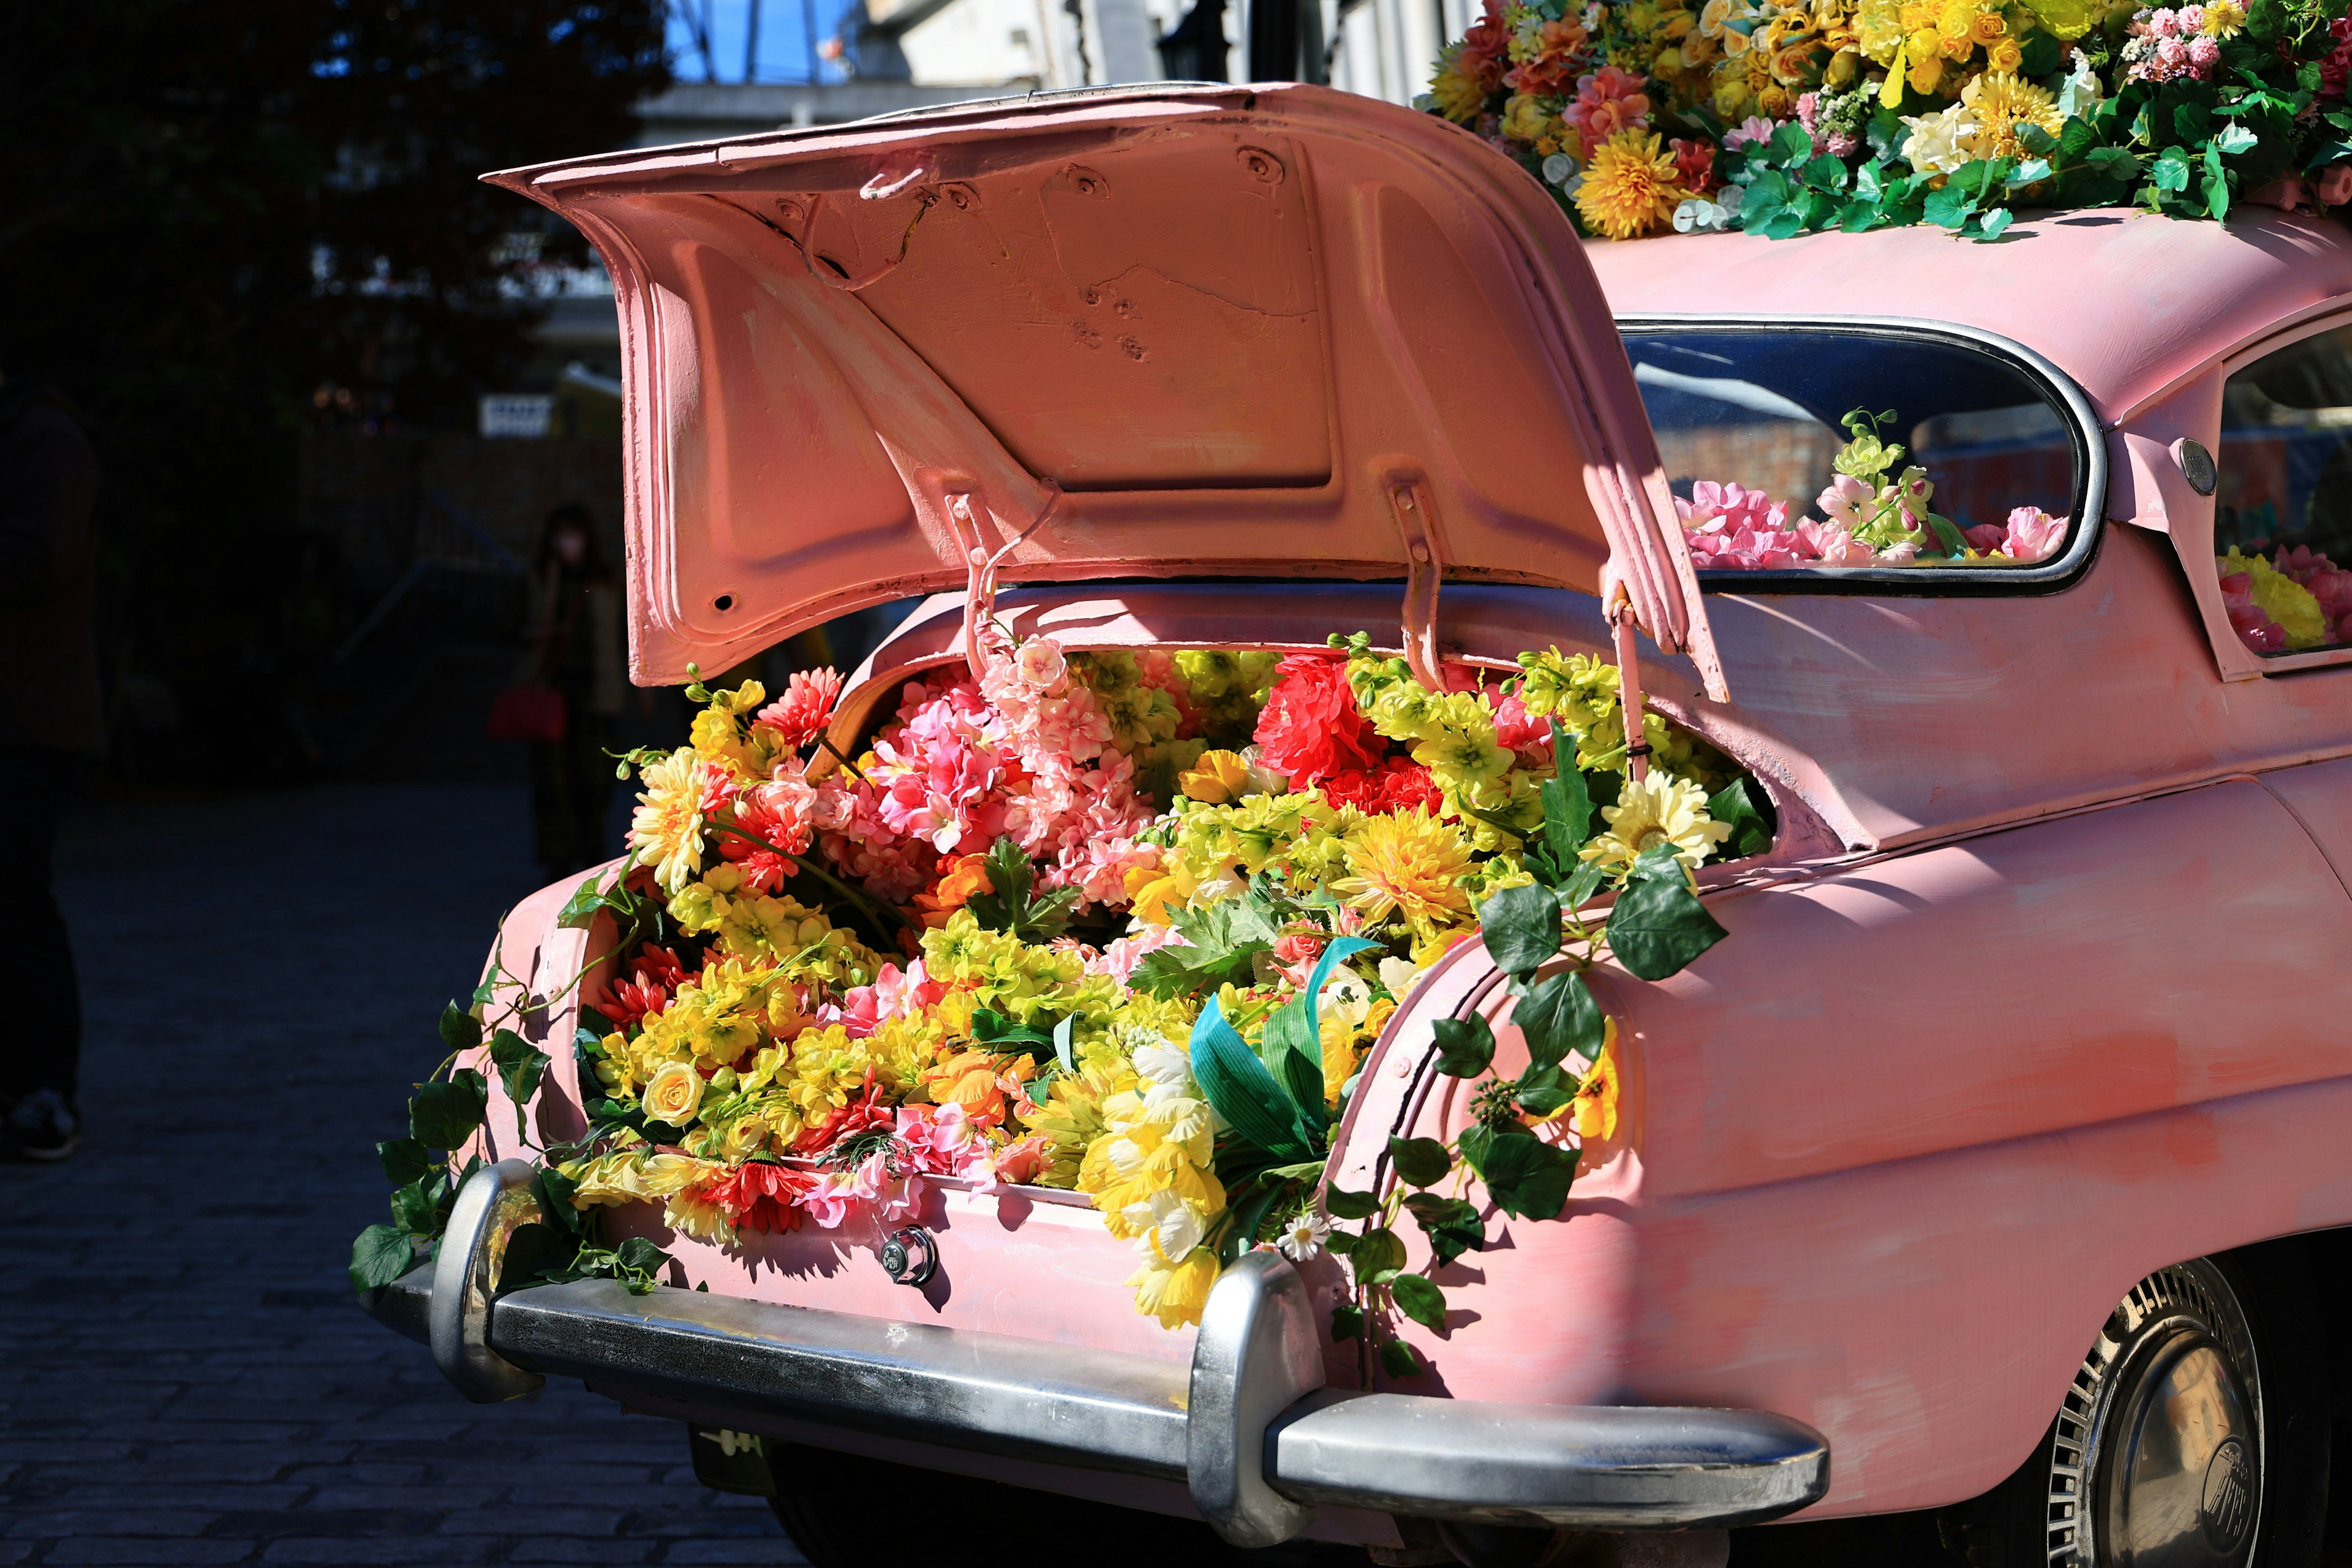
(1804, 454)
(2283, 502)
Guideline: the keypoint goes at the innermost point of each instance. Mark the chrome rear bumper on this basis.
(1247, 1427)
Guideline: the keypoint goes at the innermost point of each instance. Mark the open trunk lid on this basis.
(1157, 331)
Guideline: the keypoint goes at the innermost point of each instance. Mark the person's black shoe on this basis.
(42, 1126)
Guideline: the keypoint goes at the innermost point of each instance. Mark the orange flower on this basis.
(961, 877)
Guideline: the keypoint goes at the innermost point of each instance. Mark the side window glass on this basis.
(2282, 506)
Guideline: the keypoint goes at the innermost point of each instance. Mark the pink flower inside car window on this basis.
(2282, 507)
(1811, 449)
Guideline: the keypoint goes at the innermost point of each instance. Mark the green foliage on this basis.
(520, 1065)
(446, 1112)
(380, 1255)
(1451, 1226)
(1225, 939)
(1398, 1359)
(460, 1030)
(1520, 927)
(1013, 907)
(1558, 1015)
(1419, 1299)
(1744, 806)
(405, 1160)
(1527, 1177)
(1420, 1162)
(1465, 1046)
(1377, 1255)
(1658, 925)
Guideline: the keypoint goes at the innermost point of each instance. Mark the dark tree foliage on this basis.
(211, 215)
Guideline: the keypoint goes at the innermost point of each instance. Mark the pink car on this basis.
(1991, 1165)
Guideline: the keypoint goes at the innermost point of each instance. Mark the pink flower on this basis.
(1843, 502)
(2249, 620)
(800, 714)
(1517, 729)
(1040, 663)
(2032, 534)
(1118, 959)
(1607, 101)
(2204, 54)
(1755, 129)
(1833, 544)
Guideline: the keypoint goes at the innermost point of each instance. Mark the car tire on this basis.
(2196, 1432)
(846, 1511)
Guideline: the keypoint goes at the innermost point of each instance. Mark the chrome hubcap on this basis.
(2165, 1426)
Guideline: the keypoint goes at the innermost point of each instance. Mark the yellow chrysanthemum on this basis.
(628, 1176)
(2003, 103)
(666, 832)
(2223, 19)
(1455, 91)
(1631, 187)
(1659, 809)
(1408, 864)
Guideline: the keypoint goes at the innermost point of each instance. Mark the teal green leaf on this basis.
(2114, 163)
(1398, 1359)
(1419, 1299)
(2236, 139)
(1241, 1090)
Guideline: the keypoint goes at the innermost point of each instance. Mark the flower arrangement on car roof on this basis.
(984, 950)
(1783, 117)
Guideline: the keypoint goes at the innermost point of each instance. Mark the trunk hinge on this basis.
(1630, 700)
(1425, 570)
(979, 570)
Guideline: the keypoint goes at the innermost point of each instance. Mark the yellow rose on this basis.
(1987, 28)
(2005, 56)
(674, 1095)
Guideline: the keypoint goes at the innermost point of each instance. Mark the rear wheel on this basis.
(844, 1511)
(2195, 1435)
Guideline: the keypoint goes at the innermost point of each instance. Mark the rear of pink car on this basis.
(1238, 369)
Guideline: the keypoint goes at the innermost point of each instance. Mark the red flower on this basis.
(1310, 728)
(653, 977)
(1694, 161)
(774, 814)
(1398, 784)
(761, 1196)
(863, 1114)
(1519, 730)
(802, 713)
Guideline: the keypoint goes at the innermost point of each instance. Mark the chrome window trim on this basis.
(2083, 431)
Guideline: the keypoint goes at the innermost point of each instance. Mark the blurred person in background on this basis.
(51, 716)
(573, 637)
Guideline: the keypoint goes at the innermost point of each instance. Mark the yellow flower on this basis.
(1659, 809)
(1407, 864)
(2283, 599)
(1630, 187)
(1987, 28)
(1523, 119)
(1595, 1111)
(2223, 19)
(2005, 56)
(1155, 892)
(1174, 1294)
(698, 1216)
(1216, 778)
(2002, 104)
(1456, 92)
(666, 831)
(674, 1095)
(625, 1177)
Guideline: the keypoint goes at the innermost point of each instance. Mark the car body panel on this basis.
(1267, 331)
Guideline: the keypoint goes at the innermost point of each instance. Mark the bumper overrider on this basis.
(1250, 1430)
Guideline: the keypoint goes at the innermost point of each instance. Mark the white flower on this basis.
(2080, 92)
(1936, 145)
(1160, 1063)
(1398, 974)
(1346, 996)
(1557, 168)
(1167, 1222)
(1303, 1237)
(1040, 664)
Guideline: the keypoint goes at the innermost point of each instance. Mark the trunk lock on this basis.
(911, 1256)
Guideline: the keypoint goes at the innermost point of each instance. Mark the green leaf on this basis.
(640, 1261)
(1419, 1299)
(1557, 1015)
(1465, 1046)
(1010, 907)
(581, 909)
(405, 1160)
(2217, 195)
(1377, 1256)
(2236, 139)
(2040, 57)
(2077, 138)
(1791, 145)
(415, 1206)
(1743, 807)
(1826, 173)
(595, 1026)
(380, 1255)
(2192, 122)
(1527, 1177)
(1786, 223)
(1226, 938)
(1243, 1091)
(1064, 1038)
(555, 1190)
(1543, 1089)
(1450, 1225)
(1342, 1203)
(1586, 880)
(2170, 173)
(1869, 181)
(1521, 927)
(446, 1112)
(1346, 1321)
(1397, 1358)
(1949, 208)
(460, 1030)
(1658, 927)
(520, 1063)
(1420, 1162)
(1292, 1041)
(1856, 216)
(2034, 138)
(1566, 802)
(2114, 163)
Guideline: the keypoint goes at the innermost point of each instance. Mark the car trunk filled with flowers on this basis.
(1124, 923)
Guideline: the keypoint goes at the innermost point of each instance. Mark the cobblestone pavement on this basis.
(186, 1377)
